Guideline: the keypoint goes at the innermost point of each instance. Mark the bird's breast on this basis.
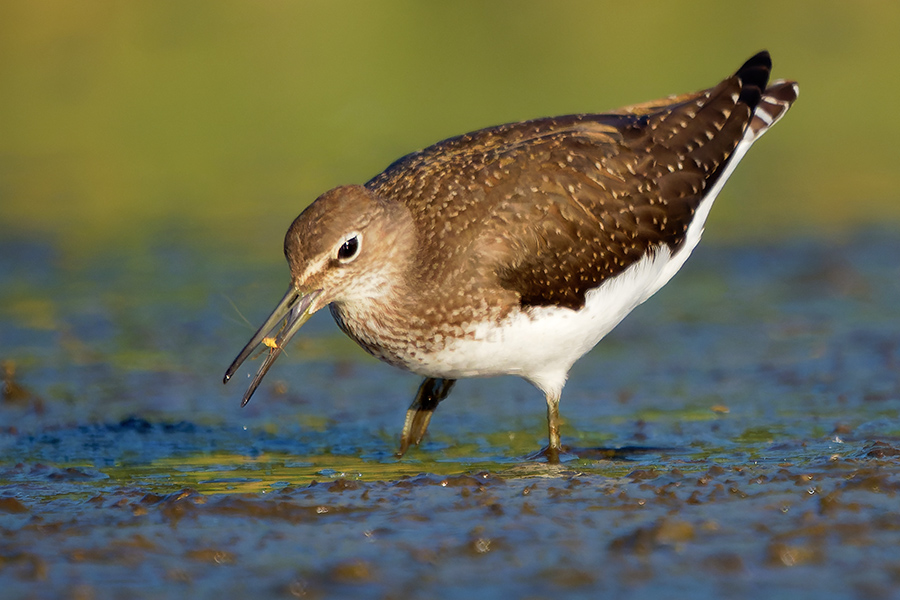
(539, 343)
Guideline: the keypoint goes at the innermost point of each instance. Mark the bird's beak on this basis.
(287, 318)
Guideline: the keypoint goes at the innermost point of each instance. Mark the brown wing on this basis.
(564, 203)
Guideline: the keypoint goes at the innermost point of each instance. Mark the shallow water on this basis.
(737, 436)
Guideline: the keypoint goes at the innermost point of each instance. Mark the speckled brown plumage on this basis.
(593, 192)
(516, 248)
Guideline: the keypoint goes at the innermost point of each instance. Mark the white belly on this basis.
(541, 343)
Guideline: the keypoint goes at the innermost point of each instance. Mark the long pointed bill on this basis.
(287, 318)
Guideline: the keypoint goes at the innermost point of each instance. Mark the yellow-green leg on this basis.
(430, 394)
(554, 447)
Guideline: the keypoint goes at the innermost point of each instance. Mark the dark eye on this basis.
(349, 249)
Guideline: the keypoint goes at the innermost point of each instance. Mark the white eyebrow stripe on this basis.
(314, 267)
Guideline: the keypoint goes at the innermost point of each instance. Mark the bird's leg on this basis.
(430, 394)
(553, 425)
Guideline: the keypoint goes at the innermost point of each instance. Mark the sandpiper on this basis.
(513, 250)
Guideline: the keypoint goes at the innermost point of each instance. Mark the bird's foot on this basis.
(552, 455)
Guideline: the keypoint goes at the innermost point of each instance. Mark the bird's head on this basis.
(348, 246)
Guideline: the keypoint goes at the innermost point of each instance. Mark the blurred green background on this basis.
(129, 123)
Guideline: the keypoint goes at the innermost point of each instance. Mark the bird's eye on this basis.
(349, 249)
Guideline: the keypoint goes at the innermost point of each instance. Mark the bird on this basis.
(514, 249)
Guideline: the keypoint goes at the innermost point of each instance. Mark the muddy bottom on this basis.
(737, 436)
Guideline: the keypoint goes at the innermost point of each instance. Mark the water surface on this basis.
(736, 436)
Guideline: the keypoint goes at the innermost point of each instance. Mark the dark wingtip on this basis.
(760, 59)
(754, 76)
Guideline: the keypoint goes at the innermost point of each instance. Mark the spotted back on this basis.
(553, 207)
